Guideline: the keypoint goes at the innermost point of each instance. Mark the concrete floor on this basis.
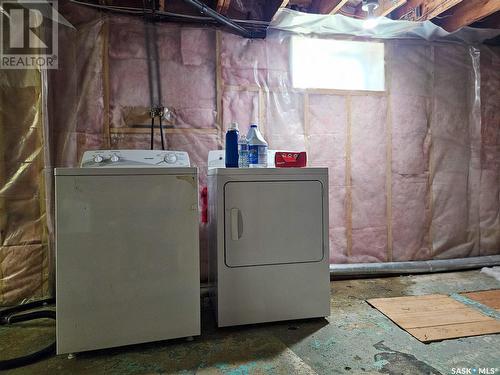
(355, 339)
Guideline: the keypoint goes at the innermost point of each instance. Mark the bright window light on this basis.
(337, 64)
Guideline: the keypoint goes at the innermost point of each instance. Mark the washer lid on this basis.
(273, 222)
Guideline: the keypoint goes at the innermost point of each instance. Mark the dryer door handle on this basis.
(236, 224)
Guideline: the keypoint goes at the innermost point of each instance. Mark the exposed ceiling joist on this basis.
(223, 6)
(284, 3)
(490, 22)
(385, 7)
(421, 10)
(467, 12)
(435, 8)
(388, 6)
(331, 6)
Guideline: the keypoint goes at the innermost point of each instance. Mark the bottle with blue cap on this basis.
(257, 148)
(232, 136)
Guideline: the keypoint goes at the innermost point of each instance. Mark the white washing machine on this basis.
(127, 250)
(269, 255)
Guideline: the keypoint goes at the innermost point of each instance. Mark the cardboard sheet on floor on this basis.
(490, 298)
(435, 317)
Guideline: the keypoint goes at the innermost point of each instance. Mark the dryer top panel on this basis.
(267, 171)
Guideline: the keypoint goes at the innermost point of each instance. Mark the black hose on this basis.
(152, 130)
(10, 316)
(161, 133)
(204, 9)
(41, 314)
(25, 306)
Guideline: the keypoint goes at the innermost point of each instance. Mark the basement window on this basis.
(337, 64)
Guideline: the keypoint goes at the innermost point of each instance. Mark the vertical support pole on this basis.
(105, 80)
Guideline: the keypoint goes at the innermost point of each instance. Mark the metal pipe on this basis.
(204, 9)
(413, 267)
(138, 11)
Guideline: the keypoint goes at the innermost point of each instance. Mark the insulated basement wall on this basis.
(414, 171)
(489, 201)
(405, 165)
(23, 236)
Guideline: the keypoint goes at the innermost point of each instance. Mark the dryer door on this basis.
(273, 222)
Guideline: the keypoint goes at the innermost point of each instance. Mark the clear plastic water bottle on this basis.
(257, 148)
(242, 152)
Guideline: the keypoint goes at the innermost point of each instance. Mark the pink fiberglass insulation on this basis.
(455, 136)
(186, 58)
(76, 94)
(327, 137)
(410, 104)
(255, 62)
(368, 173)
(241, 107)
(413, 170)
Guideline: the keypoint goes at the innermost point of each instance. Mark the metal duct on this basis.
(426, 266)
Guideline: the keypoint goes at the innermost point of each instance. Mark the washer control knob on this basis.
(115, 158)
(170, 158)
(98, 158)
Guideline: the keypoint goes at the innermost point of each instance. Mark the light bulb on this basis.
(370, 22)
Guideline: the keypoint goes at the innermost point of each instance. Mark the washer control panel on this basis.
(134, 158)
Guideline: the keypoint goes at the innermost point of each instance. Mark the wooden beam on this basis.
(223, 6)
(428, 9)
(468, 12)
(387, 6)
(331, 6)
(408, 11)
(490, 22)
(435, 8)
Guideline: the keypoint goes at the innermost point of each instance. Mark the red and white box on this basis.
(287, 159)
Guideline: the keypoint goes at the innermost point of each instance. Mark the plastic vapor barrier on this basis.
(24, 238)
